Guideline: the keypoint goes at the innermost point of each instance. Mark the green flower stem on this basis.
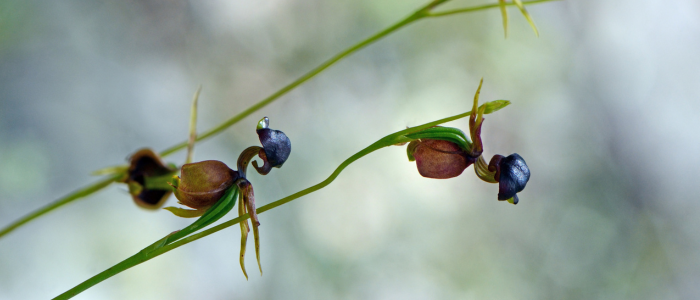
(423, 12)
(69, 198)
(158, 248)
(419, 14)
(134, 260)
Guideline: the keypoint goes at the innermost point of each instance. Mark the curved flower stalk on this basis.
(444, 152)
(202, 185)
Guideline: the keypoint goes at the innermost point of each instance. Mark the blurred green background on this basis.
(604, 110)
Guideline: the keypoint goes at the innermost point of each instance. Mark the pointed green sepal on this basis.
(504, 15)
(411, 149)
(185, 213)
(110, 170)
(256, 237)
(520, 5)
(244, 235)
(494, 106)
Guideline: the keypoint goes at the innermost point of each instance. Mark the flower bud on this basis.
(203, 183)
(146, 177)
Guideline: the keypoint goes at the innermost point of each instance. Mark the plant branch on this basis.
(421, 13)
(160, 247)
(86, 191)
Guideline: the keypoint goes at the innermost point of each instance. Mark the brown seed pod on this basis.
(203, 183)
(440, 159)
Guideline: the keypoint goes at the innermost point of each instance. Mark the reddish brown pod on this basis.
(440, 159)
(203, 183)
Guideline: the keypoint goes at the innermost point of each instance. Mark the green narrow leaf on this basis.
(217, 211)
(445, 136)
(504, 15)
(494, 106)
(520, 5)
(193, 126)
(185, 213)
(220, 209)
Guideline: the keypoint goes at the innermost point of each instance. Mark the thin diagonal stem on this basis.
(84, 192)
(421, 13)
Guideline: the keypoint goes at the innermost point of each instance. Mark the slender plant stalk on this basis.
(159, 247)
(69, 198)
(423, 12)
(235, 119)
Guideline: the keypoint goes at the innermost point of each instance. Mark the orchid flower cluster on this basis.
(445, 152)
(210, 186)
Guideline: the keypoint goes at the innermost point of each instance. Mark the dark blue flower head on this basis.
(511, 173)
(276, 146)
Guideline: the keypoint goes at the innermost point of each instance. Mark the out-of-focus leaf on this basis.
(520, 5)
(504, 15)
(494, 106)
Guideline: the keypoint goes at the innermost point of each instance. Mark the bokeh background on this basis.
(605, 111)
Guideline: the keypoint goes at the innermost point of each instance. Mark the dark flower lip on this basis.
(142, 164)
(276, 144)
(514, 175)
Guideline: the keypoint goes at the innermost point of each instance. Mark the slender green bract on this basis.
(166, 244)
(216, 212)
(453, 135)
